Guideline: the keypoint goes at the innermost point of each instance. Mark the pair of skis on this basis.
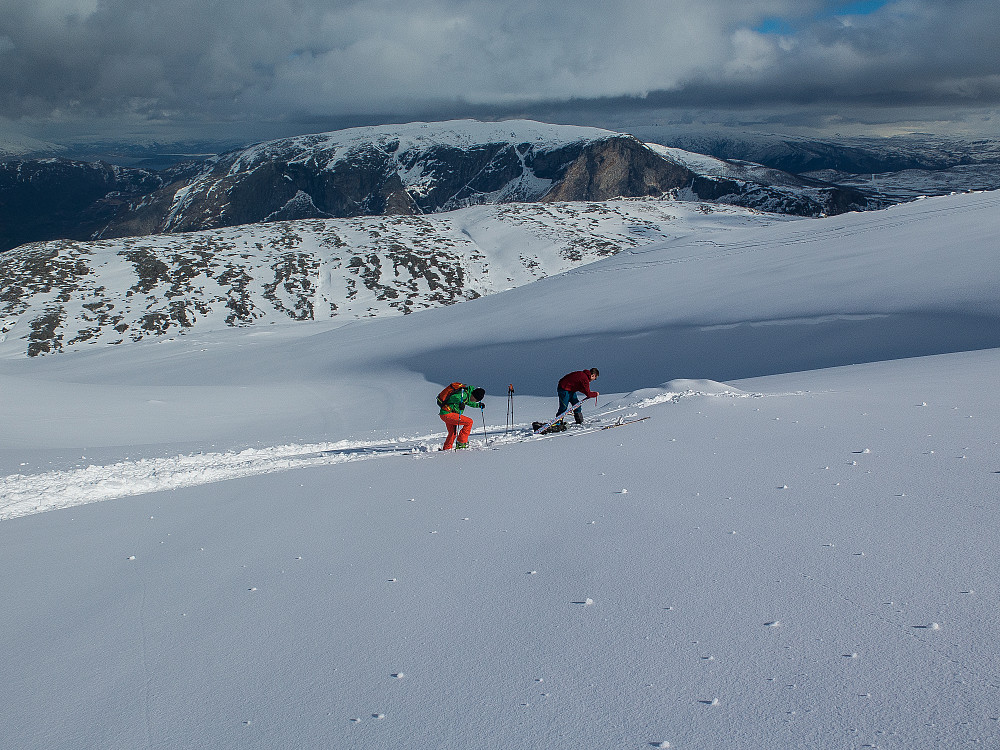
(617, 423)
(587, 430)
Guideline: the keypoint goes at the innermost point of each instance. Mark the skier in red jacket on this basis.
(570, 385)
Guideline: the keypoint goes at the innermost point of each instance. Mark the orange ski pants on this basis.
(454, 422)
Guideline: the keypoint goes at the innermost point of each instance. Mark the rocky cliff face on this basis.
(619, 167)
(48, 199)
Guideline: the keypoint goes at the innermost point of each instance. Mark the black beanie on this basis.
(477, 394)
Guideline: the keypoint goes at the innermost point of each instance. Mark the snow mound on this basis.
(674, 390)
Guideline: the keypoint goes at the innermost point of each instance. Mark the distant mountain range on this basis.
(411, 169)
(846, 155)
(895, 169)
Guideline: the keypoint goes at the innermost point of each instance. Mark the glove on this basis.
(482, 404)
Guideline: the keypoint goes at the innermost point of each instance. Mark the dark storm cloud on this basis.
(238, 61)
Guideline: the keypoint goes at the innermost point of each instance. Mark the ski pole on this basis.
(510, 409)
(482, 412)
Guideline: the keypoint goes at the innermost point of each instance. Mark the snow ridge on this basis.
(59, 296)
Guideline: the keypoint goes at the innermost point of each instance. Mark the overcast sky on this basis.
(252, 69)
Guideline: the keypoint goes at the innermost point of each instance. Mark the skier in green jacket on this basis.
(453, 401)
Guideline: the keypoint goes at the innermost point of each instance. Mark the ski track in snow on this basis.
(27, 494)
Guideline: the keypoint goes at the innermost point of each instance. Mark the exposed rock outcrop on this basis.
(618, 168)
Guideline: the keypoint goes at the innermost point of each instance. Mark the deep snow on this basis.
(796, 549)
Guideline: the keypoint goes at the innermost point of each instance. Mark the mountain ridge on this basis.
(58, 295)
(413, 169)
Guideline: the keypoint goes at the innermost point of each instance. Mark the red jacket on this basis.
(577, 381)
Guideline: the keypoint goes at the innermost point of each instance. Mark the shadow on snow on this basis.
(633, 360)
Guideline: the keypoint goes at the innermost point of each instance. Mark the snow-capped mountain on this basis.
(425, 168)
(412, 169)
(64, 294)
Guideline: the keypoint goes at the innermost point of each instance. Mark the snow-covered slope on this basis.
(916, 279)
(334, 147)
(801, 559)
(59, 295)
(743, 183)
(13, 146)
(731, 169)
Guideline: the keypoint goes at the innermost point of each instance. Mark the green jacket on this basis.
(458, 400)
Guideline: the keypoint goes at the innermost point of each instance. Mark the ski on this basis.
(622, 422)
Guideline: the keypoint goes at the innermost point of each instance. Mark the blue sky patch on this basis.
(857, 8)
(776, 25)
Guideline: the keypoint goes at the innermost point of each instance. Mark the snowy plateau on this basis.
(776, 528)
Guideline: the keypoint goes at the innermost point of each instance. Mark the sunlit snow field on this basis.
(248, 539)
